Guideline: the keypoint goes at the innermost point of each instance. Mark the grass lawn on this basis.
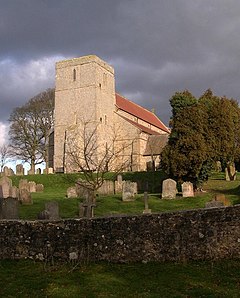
(194, 279)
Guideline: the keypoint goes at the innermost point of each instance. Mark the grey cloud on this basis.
(157, 47)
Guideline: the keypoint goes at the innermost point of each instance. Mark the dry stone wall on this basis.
(179, 236)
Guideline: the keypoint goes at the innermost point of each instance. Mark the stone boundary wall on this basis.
(176, 236)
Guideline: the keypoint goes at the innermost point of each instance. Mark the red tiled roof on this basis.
(141, 127)
(139, 112)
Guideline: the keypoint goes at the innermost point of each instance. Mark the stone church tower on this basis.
(85, 91)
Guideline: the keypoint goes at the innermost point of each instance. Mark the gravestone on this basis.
(23, 184)
(187, 190)
(19, 170)
(146, 209)
(43, 215)
(107, 188)
(218, 166)
(9, 208)
(53, 209)
(14, 192)
(5, 171)
(32, 186)
(213, 204)
(50, 170)
(39, 188)
(83, 189)
(71, 192)
(129, 191)
(118, 184)
(230, 172)
(25, 197)
(169, 189)
(5, 187)
(86, 209)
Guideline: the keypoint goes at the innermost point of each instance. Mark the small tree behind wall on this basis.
(92, 156)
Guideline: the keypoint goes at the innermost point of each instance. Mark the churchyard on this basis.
(102, 279)
(55, 189)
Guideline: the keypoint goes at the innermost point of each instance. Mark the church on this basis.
(85, 94)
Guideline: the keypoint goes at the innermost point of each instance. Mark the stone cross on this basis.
(86, 209)
(146, 209)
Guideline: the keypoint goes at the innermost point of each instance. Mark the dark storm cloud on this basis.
(157, 47)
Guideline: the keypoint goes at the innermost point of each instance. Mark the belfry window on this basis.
(74, 74)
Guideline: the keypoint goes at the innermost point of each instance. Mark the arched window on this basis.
(74, 74)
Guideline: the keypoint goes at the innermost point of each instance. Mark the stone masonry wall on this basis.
(179, 236)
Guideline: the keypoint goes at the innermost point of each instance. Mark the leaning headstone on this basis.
(32, 186)
(129, 191)
(19, 170)
(72, 192)
(169, 189)
(53, 209)
(5, 187)
(23, 184)
(39, 188)
(146, 209)
(187, 190)
(213, 204)
(9, 208)
(25, 197)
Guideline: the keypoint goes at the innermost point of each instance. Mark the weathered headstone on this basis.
(146, 209)
(169, 189)
(83, 189)
(39, 188)
(5, 187)
(9, 208)
(107, 188)
(218, 166)
(19, 170)
(43, 215)
(53, 209)
(50, 170)
(32, 186)
(129, 191)
(14, 192)
(118, 184)
(25, 197)
(230, 172)
(72, 192)
(8, 171)
(187, 190)
(23, 184)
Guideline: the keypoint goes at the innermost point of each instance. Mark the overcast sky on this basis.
(157, 47)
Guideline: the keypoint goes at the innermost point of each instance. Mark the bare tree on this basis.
(29, 128)
(94, 157)
(5, 154)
